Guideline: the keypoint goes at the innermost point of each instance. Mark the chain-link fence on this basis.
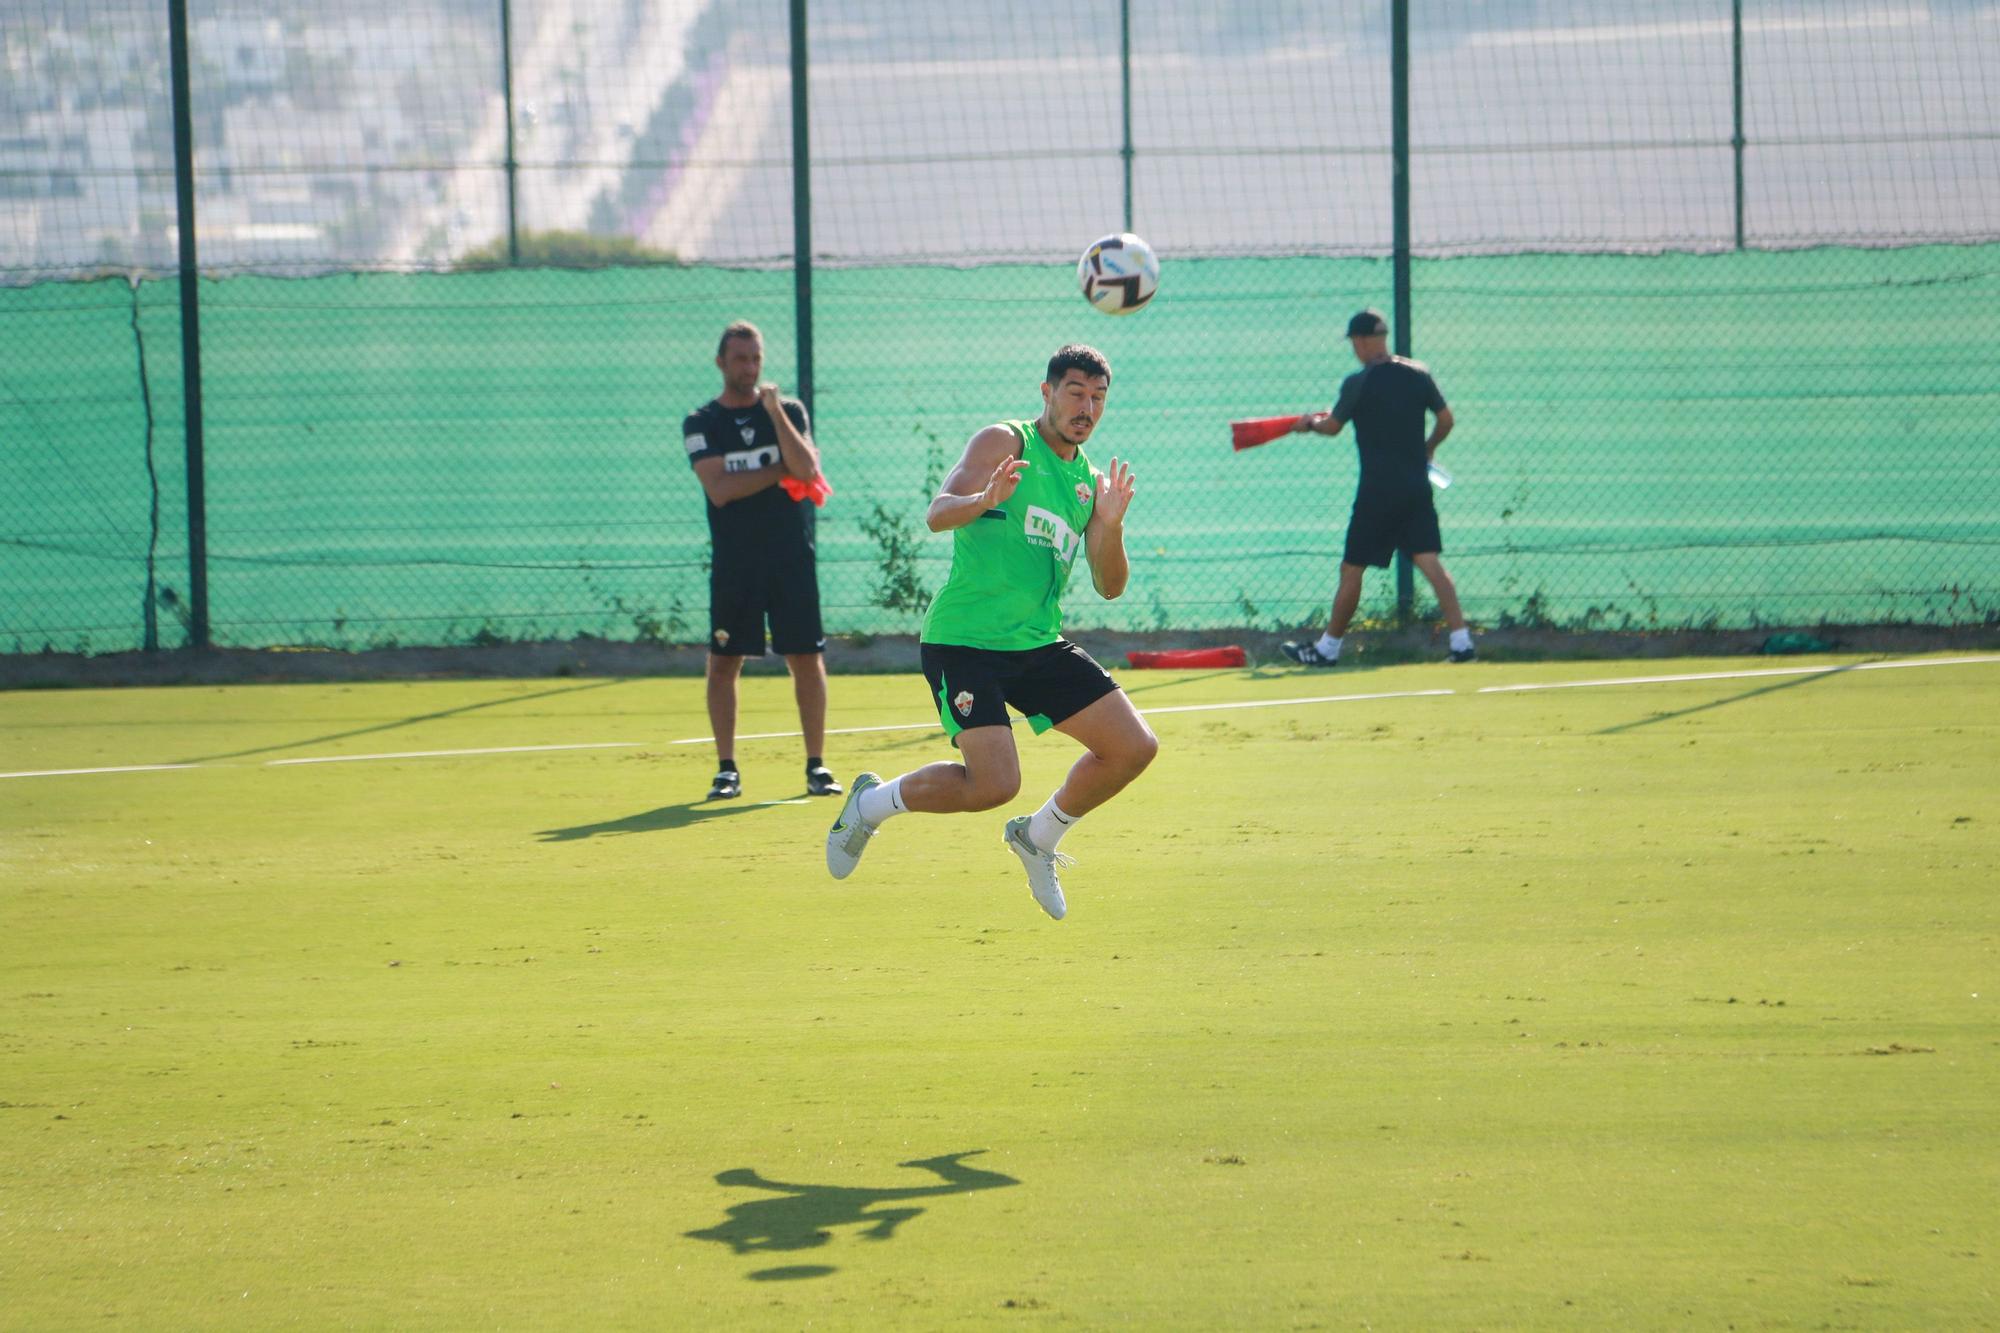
(1714, 291)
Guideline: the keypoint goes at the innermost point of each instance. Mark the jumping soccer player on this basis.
(1021, 503)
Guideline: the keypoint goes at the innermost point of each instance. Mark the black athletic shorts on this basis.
(973, 686)
(740, 598)
(1385, 524)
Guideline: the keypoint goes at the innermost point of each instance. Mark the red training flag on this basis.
(815, 490)
(1259, 430)
(1230, 656)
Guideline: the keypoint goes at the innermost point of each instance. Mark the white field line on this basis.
(1281, 703)
(450, 754)
(1146, 712)
(831, 731)
(121, 768)
(1607, 682)
(1418, 694)
(1733, 675)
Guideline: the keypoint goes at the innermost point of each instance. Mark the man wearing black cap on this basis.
(1386, 400)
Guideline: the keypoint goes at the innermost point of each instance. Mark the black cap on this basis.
(1368, 324)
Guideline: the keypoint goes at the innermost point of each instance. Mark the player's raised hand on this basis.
(1114, 493)
(1003, 482)
(767, 394)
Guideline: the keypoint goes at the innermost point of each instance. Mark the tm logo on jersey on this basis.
(1046, 529)
(749, 460)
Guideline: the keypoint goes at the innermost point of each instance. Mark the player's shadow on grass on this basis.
(1318, 675)
(1127, 684)
(403, 722)
(652, 821)
(802, 1217)
(1793, 683)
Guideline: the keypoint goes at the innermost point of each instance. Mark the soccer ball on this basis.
(1118, 274)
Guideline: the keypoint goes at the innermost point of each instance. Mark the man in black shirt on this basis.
(743, 444)
(1386, 400)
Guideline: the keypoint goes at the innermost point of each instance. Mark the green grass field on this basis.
(1656, 1005)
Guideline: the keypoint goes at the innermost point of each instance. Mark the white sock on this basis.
(877, 804)
(1328, 646)
(1048, 825)
(1461, 639)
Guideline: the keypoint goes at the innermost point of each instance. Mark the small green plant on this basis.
(898, 588)
(895, 532)
(1534, 614)
(649, 626)
(1652, 604)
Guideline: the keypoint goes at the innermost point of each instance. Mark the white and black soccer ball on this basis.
(1119, 273)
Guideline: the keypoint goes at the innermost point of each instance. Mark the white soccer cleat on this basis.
(849, 836)
(1041, 867)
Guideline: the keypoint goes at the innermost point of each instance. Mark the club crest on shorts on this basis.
(962, 701)
(1083, 492)
(722, 638)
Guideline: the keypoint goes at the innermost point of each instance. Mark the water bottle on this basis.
(1439, 477)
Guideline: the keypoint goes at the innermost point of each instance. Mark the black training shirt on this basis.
(1386, 403)
(769, 523)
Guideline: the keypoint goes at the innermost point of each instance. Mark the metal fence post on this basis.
(802, 285)
(1736, 126)
(507, 106)
(1125, 88)
(197, 490)
(1399, 134)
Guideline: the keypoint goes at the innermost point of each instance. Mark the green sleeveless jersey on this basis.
(1009, 566)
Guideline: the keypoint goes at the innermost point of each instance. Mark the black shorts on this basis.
(973, 686)
(740, 598)
(1385, 524)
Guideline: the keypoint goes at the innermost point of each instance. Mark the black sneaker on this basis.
(1307, 654)
(728, 783)
(1463, 654)
(820, 782)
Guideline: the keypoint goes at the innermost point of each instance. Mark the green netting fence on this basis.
(418, 459)
(1721, 344)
